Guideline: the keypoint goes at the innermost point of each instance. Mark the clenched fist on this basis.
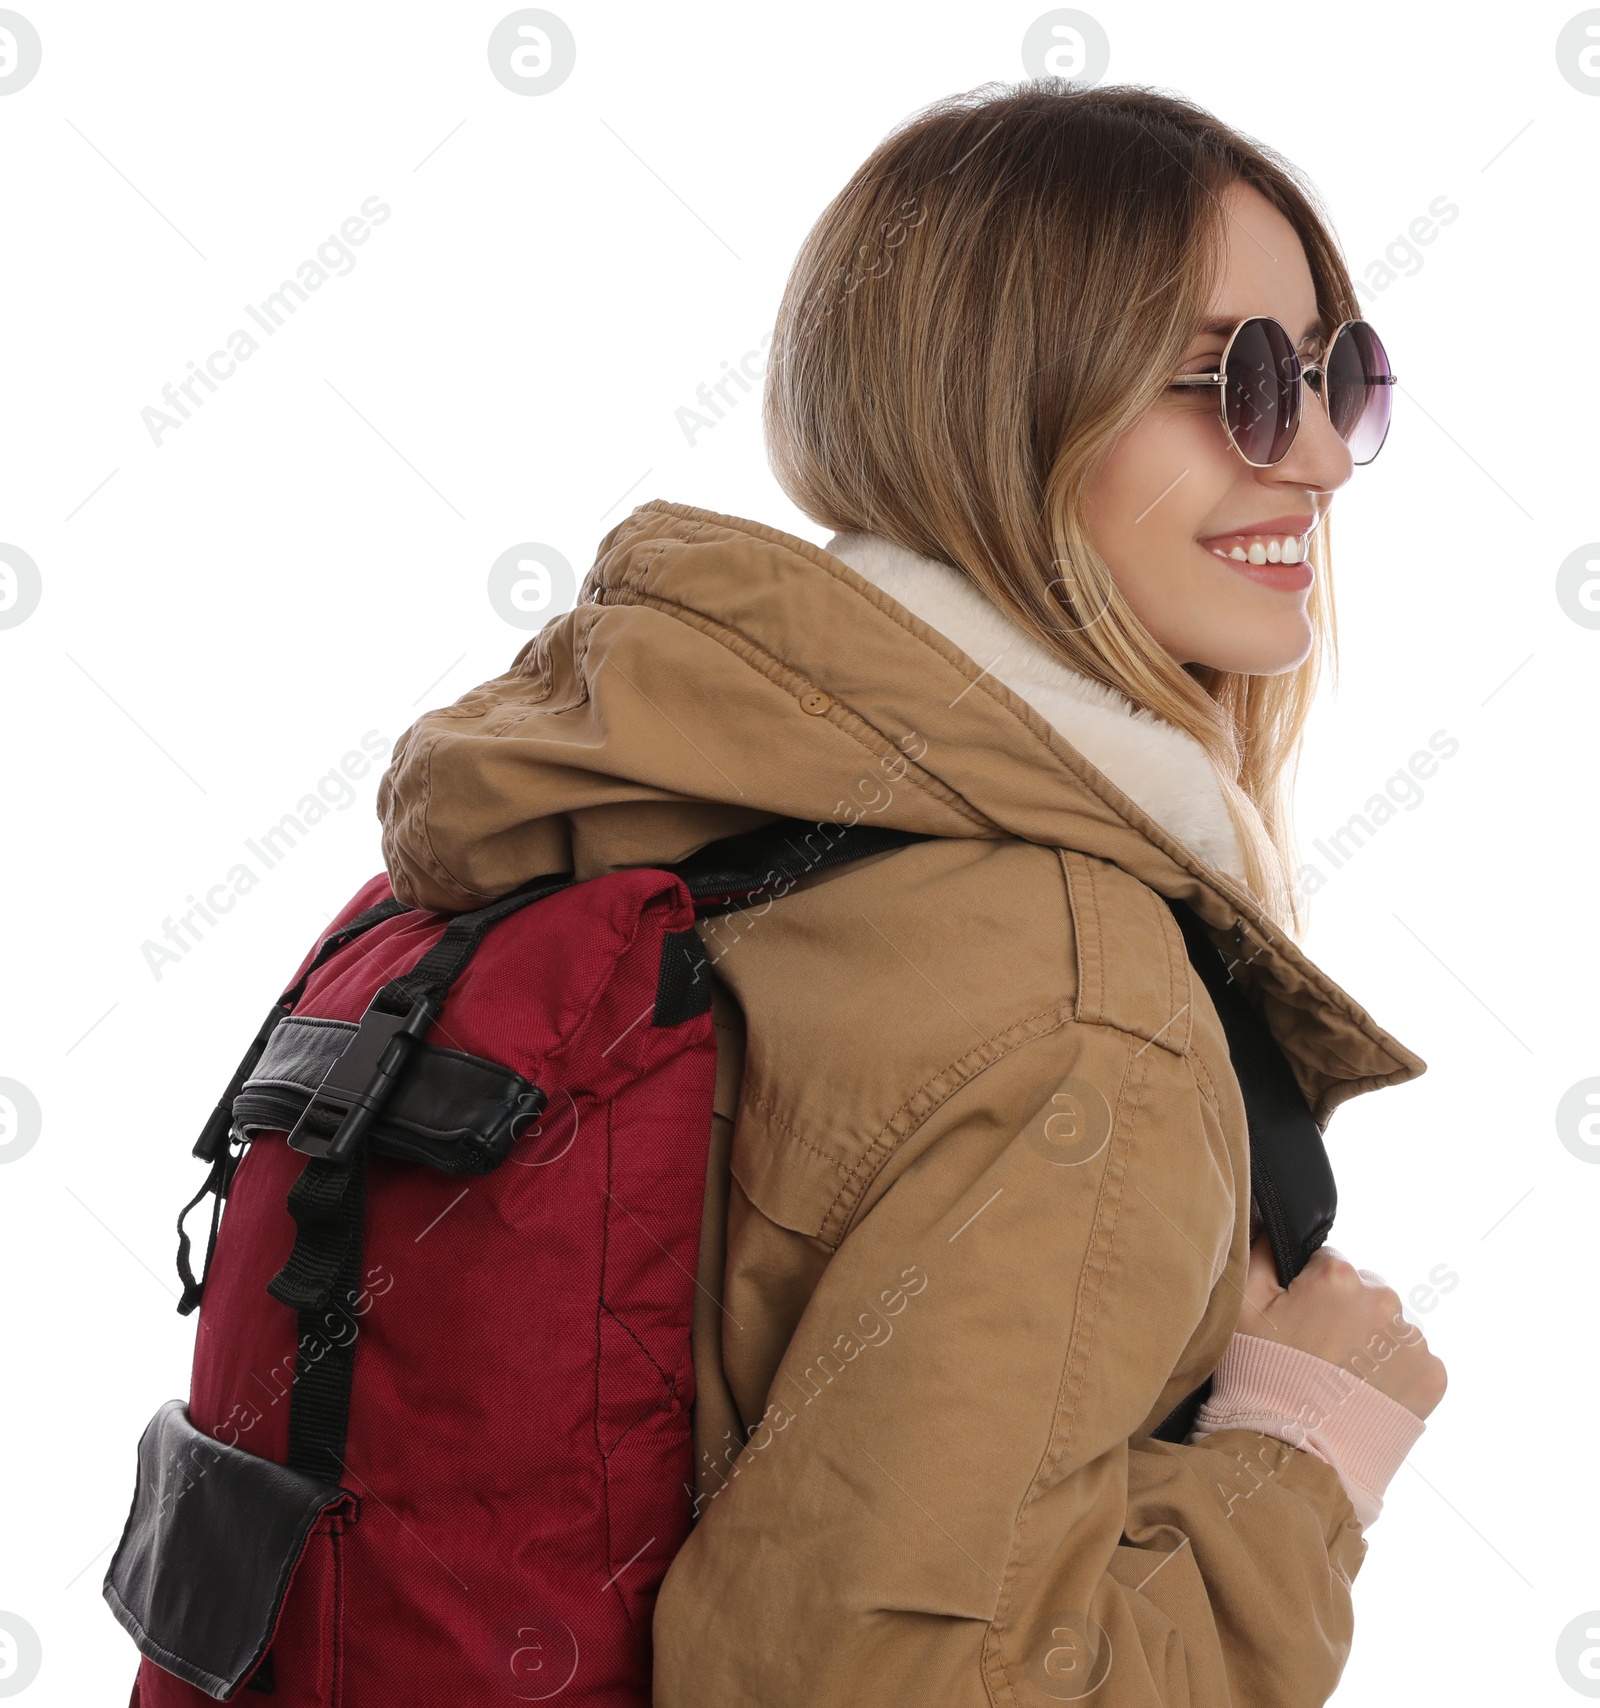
(1349, 1316)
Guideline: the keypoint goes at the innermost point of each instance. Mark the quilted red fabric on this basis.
(519, 1419)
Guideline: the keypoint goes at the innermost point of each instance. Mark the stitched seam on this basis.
(338, 1616)
(580, 662)
(649, 1412)
(667, 1379)
(599, 1347)
(782, 676)
(605, 1243)
(882, 602)
(1176, 1035)
(1141, 1078)
(176, 1663)
(842, 721)
(1075, 1364)
(427, 824)
(885, 1143)
(774, 1119)
(1077, 935)
(1062, 1016)
(1168, 927)
(535, 667)
(634, 575)
(1055, 1009)
(1203, 1079)
(1084, 901)
(602, 986)
(146, 1643)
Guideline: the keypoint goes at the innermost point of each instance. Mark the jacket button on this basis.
(814, 701)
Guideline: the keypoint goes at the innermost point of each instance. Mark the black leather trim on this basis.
(212, 1539)
(458, 1113)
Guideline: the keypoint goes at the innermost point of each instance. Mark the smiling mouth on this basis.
(1258, 548)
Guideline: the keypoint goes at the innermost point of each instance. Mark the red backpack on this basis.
(437, 1446)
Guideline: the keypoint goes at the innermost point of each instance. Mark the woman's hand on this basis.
(1349, 1316)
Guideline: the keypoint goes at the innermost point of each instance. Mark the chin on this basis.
(1253, 648)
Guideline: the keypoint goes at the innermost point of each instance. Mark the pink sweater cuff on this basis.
(1329, 1411)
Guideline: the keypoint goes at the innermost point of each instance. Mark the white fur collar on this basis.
(1163, 768)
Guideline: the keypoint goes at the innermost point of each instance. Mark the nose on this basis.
(1318, 458)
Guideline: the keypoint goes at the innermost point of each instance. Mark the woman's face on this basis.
(1173, 493)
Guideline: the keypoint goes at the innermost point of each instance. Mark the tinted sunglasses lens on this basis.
(1357, 391)
(1261, 401)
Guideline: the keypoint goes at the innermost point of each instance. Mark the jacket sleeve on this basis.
(1330, 1411)
(951, 1498)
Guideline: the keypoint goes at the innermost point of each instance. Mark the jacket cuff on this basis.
(1294, 1396)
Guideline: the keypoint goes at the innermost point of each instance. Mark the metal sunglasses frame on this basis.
(1303, 372)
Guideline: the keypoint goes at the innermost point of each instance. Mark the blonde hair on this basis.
(1005, 285)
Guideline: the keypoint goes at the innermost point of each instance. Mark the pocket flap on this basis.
(211, 1543)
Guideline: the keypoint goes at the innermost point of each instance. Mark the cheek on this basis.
(1160, 481)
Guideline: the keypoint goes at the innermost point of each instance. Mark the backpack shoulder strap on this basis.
(743, 868)
(1290, 1174)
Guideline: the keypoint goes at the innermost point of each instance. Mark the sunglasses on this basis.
(1260, 392)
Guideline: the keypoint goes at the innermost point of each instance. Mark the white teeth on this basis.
(1262, 550)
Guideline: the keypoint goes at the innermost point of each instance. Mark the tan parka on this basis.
(978, 1204)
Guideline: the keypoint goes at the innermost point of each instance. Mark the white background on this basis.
(224, 616)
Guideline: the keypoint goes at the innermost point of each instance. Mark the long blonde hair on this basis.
(1004, 285)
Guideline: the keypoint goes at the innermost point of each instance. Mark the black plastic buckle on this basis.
(355, 1088)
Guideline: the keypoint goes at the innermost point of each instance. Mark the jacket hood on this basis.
(717, 672)
(1161, 767)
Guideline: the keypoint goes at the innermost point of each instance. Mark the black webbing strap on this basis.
(738, 869)
(321, 1203)
(214, 1145)
(1290, 1174)
(336, 940)
(432, 976)
(1289, 1168)
(322, 1281)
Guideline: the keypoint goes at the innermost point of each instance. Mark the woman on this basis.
(979, 1211)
